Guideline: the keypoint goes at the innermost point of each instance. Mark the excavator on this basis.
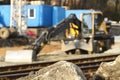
(90, 33)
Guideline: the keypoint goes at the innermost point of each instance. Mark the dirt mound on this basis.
(50, 48)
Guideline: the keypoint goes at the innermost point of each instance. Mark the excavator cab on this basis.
(96, 31)
(100, 26)
(86, 25)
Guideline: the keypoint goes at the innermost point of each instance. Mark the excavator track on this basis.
(88, 64)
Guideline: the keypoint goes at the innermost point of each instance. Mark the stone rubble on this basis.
(108, 70)
(61, 70)
(114, 50)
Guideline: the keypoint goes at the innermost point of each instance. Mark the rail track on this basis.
(88, 64)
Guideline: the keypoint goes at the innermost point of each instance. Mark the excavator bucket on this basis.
(20, 56)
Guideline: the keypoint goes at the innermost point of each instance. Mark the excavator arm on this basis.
(30, 54)
(54, 31)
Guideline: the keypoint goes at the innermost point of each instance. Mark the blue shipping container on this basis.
(39, 15)
(5, 15)
(58, 14)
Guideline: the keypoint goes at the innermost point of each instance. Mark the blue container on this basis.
(5, 15)
(76, 12)
(58, 14)
(39, 15)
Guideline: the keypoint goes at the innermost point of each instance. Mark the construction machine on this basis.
(89, 33)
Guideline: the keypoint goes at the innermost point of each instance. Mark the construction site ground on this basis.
(45, 54)
(52, 52)
(48, 57)
(47, 49)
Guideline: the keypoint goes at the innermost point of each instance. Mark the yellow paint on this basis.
(73, 31)
(104, 26)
